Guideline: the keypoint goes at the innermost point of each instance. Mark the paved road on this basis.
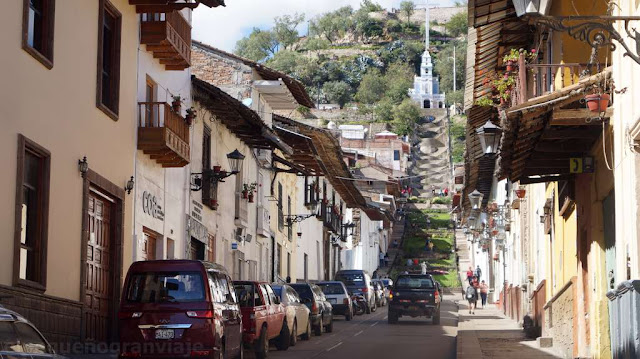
(371, 337)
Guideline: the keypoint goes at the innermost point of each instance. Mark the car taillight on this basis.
(128, 315)
(405, 301)
(314, 307)
(201, 314)
(437, 295)
(345, 301)
(364, 290)
(390, 294)
(422, 301)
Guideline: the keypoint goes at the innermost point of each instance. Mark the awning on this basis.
(328, 156)
(541, 135)
(238, 118)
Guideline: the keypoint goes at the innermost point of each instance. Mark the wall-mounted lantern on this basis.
(489, 135)
(475, 199)
(129, 186)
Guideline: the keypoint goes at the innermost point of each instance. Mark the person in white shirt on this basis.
(381, 256)
(423, 267)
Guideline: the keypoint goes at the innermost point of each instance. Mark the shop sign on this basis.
(151, 206)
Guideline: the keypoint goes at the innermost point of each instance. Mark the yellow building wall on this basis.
(56, 108)
(566, 49)
(601, 186)
(563, 261)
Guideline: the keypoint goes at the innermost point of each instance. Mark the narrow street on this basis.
(371, 337)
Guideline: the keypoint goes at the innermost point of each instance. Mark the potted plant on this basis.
(213, 203)
(598, 101)
(191, 115)
(511, 59)
(521, 193)
(176, 103)
(485, 101)
(299, 234)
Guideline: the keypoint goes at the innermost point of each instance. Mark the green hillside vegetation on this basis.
(376, 68)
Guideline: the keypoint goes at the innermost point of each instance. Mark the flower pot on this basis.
(250, 197)
(597, 103)
(245, 194)
(217, 168)
(521, 193)
(175, 105)
(511, 65)
(214, 204)
(189, 119)
(299, 234)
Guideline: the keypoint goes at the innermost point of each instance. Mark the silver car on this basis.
(296, 312)
(20, 339)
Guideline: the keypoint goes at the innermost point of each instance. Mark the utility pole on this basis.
(454, 68)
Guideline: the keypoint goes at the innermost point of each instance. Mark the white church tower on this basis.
(426, 87)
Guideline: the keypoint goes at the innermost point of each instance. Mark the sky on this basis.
(221, 27)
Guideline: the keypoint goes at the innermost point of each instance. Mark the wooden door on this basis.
(149, 247)
(99, 277)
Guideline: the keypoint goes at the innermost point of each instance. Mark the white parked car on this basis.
(297, 313)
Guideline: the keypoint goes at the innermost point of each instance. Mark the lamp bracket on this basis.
(294, 218)
(198, 178)
(597, 31)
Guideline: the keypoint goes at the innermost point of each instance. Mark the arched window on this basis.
(427, 104)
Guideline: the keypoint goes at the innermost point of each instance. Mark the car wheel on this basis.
(392, 318)
(436, 318)
(374, 306)
(368, 309)
(294, 334)
(262, 346)
(307, 334)
(329, 328)
(283, 340)
(318, 329)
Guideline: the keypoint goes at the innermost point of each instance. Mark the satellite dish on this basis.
(247, 101)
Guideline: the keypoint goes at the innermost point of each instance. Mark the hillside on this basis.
(364, 60)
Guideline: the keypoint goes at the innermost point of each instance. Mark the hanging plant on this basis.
(521, 193)
(176, 103)
(191, 115)
(485, 101)
(250, 197)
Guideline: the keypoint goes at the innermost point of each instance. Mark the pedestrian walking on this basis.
(470, 275)
(423, 267)
(409, 262)
(381, 256)
(446, 192)
(395, 243)
(478, 272)
(472, 297)
(484, 290)
(431, 246)
(386, 259)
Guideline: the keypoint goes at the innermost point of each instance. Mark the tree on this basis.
(285, 29)
(383, 111)
(332, 24)
(407, 8)
(338, 92)
(457, 25)
(372, 87)
(443, 68)
(258, 46)
(286, 61)
(370, 6)
(399, 78)
(405, 116)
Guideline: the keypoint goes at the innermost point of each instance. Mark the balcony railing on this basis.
(533, 80)
(168, 36)
(330, 219)
(263, 227)
(163, 134)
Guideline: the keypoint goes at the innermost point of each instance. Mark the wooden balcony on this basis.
(168, 36)
(163, 134)
(533, 80)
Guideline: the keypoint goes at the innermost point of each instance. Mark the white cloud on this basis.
(223, 26)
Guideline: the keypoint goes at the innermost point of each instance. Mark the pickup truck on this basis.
(414, 295)
(263, 317)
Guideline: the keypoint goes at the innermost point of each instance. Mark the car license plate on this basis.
(413, 307)
(333, 300)
(164, 334)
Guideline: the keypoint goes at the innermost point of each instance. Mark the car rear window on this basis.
(303, 291)
(352, 279)
(414, 283)
(160, 287)
(331, 288)
(248, 295)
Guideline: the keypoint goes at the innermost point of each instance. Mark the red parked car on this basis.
(263, 317)
(179, 309)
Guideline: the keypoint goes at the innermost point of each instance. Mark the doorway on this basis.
(609, 227)
(149, 242)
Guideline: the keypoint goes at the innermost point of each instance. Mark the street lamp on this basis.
(235, 161)
(531, 7)
(489, 135)
(475, 198)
